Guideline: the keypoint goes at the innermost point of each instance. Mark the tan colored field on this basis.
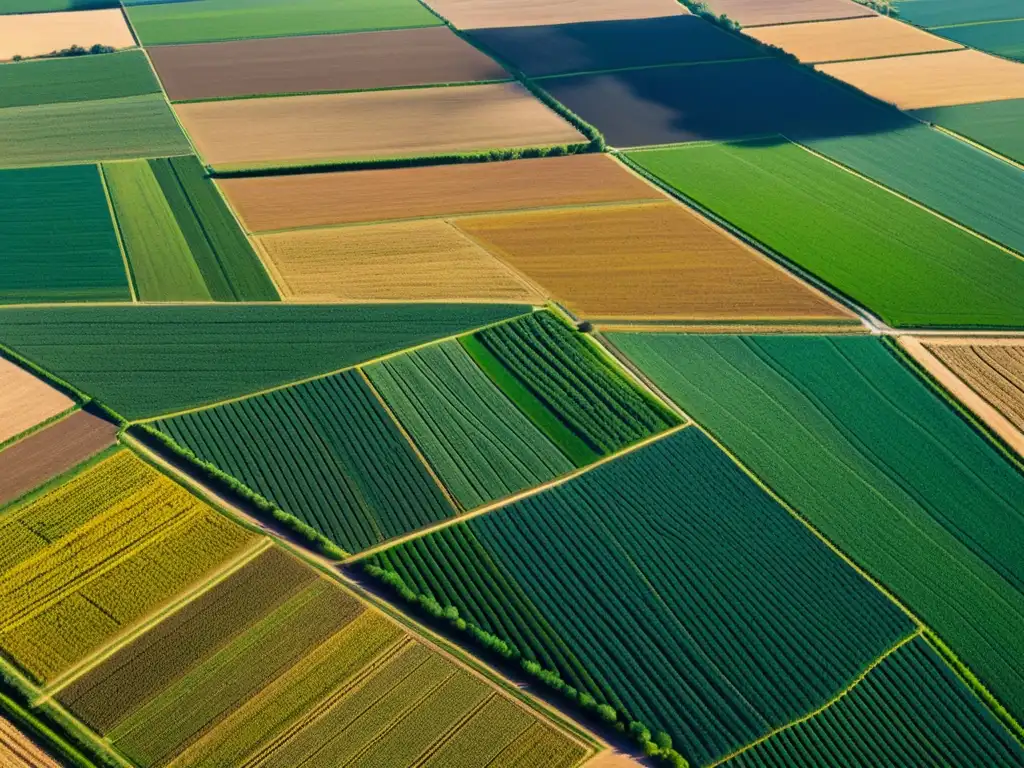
(478, 14)
(407, 261)
(653, 261)
(267, 203)
(18, 751)
(35, 34)
(367, 125)
(934, 79)
(849, 39)
(25, 400)
(751, 13)
(994, 371)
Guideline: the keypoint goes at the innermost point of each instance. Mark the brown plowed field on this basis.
(752, 13)
(18, 751)
(850, 39)
(653, 261)
(477, 14)
(934, 79)
(35, 34)
(52, 451)
(400, 123)
(268, 203)
(994, 371)
(321, 63)
(25, 400)
(407, 261)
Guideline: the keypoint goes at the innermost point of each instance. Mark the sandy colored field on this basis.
(849, 39)
(653, 261)
(18, 751)
(477, 14)
(934, 79)
(407, 261)
(25, 400)
(52, 451)
(752, 13)
(267, 203)
(35, 34)
(378, 124)
(612, 759)
(321, 63)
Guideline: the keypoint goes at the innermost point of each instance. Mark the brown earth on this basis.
(934, 79)
(477, 14)
(25, 400)
(321, 63)
(752, 13)
(320, 199)
(400, 123)
(52, 451)
(408, 261)
(658, 261)
(866, 38)
(18, 751)
(35, 34)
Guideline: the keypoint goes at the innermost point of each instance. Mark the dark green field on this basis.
(993, 124)
(1004, 38)
(81, 78)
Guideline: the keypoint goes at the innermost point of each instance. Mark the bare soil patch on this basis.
(752, 13)
(477, 14)
(36, 34)
(25, 400)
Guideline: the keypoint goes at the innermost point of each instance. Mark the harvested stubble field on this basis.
(398, 123)
(739, 618)
(888, 455)
(864, 38)
(934, 79)
(51, 451)
(25, 400)
(96, 555)
(364, 61)
(138, 361)
(266, 203)
(19, 751)
(36, 34)
(993, 124)
(754, 13)
(325, 451)
(1004, 38)
(654, 261)
(406, 261)
(474, 14)
(995, 370)
(84, 78)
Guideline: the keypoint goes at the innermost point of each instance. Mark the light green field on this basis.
(78, 78)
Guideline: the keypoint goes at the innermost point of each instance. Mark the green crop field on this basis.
(58, 241)
(82, 78)
(210, 20)
(911, 710)
(738, 618)
(993, 124)
(901, 262)
(481, 446)
(153, 360)
(162, 265)
(325, 451)
(1004, 38)
(933, 13)
(106, 129)
(882, 466)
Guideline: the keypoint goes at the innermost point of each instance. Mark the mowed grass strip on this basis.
(755, 13)
(59, 242)
(406, 261)
(888, 455)
(473, 14)
(994, 371)
(266, 203)
(36, 34)
(26, 400)
(74, 79)
(901, 262)
(398, 123)
(657, 261)
(993, 124)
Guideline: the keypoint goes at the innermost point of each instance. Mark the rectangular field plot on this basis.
(739, 99)
(36, 34)
(426, 121)
(201, 21)
(85, 78)
(887, 455)
(992, 368)
(26, 400)
(474, 14)
(325, 451)
(19, 751)
(740, 619)
(935, 79)
(321, 63)
(96, 555)
(935, 13)
(755, 13)
(266, 203)
(899, 261)
(993, 124)
(910, 710)
(59, 242)
(406, 261)
(658, 261)
(865, 38)
(1004, 38)
(595, 46)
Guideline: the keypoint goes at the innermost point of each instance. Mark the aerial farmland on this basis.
(511, 384)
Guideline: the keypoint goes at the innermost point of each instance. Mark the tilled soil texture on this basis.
(52, 451)
(364, 61)
(476, 14)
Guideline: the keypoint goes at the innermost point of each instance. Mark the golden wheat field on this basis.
(25, 400)
(35, 34)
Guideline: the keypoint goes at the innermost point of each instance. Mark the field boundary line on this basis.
(49, 421)
(643, 67)
(976, 144)
(919, 632)
(534, 287)
(869, 14)
(954, 46)
(338, 91)
(973, 24)
(129, 272)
